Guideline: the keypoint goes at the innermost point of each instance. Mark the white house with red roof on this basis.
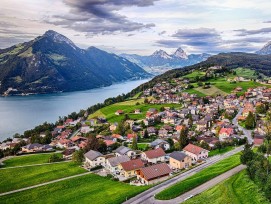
(195, 152)
(154, 156)
(225, 133)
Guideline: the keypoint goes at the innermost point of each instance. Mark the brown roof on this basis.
(258, 141)
(155, 171)
(193, 149)
(132, 165)
(155, 153)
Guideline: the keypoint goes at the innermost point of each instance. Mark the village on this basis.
(167, 140)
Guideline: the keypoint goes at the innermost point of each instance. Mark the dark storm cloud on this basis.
(100, 16)
(245, 32)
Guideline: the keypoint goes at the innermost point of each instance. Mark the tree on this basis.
(267, 188)
(218, 146)
(92, 144)
(260, 109)
(250, 121)
(54, 158)
(78, 156)
(146, 100)
(134, 143)
(177, 146)
(268, 139)
(146, 134)
(247, 154)
(183, 140)
(171, 143)
(120, 128)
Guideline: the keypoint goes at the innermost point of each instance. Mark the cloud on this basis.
(210, 40)
(245, 32)
(162, 33)
(266, 21)
(100, 16)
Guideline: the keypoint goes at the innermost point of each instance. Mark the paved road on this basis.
(43, 184)
(246, 132)
(147, 195)
(199, 189)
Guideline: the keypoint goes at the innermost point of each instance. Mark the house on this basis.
(36, 147)
(67, 153)
(86, 129)
(129, 168)
(195, 152)
(258, 141)
(94, 158)
(153, 174)
(130, 137)
(122, 150)
(225, 133)
(154, 156)
(119, 112)
(151, 130)
(137, 111)
(112, 164)
(159, 143)
(179, 160)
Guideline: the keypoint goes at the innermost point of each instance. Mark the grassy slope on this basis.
(28, 160)
(199, 178)
(128, 107)
(212, 91)
(86, 189)
(238, 189)
(194, 74)
(16, 178)
(244, 72)
(194, 91)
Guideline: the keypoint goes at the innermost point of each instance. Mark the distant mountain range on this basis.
(53, 63)
(160, 61)
(266, 50)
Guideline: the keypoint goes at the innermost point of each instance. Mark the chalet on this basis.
(158, 143)
(225, 133)
(122, 150)
(112, 164)
(119, 112)
(129, 168)
(195, 152)
(153, 174)
(179, 160)
(94, 158)
(154, 156)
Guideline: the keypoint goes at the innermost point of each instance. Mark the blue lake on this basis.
(20, 113)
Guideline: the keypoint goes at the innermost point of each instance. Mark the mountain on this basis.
(266, 50)
(53, 63)
(260, 63)
(160, 61)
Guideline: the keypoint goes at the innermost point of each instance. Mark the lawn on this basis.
(199, 178)
(212, 91)
(141, 146)
(16, 178)
(222, 151)
(194, 75)
(193, 91)
(246, 73)
(128, 107)
(28, 160)
(86, 189)
(238, 189)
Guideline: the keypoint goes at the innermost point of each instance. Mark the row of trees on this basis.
(258, 168)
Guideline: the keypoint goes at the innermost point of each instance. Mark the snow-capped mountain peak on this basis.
(180, 53)
(162, 54)
(266, 50)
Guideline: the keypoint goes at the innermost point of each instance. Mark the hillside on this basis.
(53, 63)
(261, 64)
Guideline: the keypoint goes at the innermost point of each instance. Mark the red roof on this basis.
(227, 131)
(130, 136)
(179, 127)
(155, 153)
(132, 165)
(155, 171)
(193, 149)
(258, 141)
(109, 142)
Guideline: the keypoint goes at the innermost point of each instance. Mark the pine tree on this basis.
(134, 143)
(250, 121)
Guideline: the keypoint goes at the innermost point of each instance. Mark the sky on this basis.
(142, 26)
